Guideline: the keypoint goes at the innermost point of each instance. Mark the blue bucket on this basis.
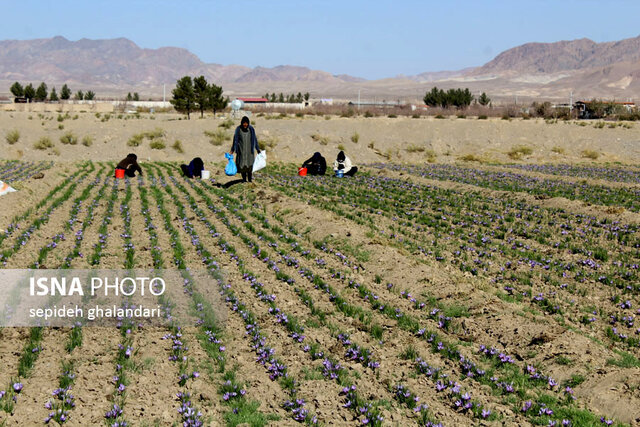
(340, 173)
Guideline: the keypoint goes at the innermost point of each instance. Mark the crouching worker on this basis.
(130, 165)
(316, 165)
(194, 169)
(343, 163)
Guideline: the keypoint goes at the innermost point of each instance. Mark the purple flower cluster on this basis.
(191, 417)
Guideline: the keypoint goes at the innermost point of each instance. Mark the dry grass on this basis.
(158, 144)
(12, 137)
(470, 158)
(154, 134)
(227, 124)
(431, 156)
(323, 140)
(69, 139)
(135, 140)
(355, 137)
(415, 149)
(87, 141)
(217, 137)
(177, 145)
(590, 154)
(519, 151)
(558, 150)
(43, 143)
(269, 142)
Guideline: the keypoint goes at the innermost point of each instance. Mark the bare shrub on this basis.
(355, 137)
(158, 144)
(87, 141)
(218, 137)
(12, 137)
(135, 140)
(267, 142)
(177, 145)
(590, 154)
(43, 143)
(415, 149)
(431, 156)
(69, 139)
(470, 158)
(154, 134)
(227, 124)
(322, 139)
(517, 152)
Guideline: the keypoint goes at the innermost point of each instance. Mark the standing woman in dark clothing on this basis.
(130, 165)
(244, 144)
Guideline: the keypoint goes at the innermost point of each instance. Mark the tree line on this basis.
(459, 98)
(40, 94)
(197, 94)
(291, 98)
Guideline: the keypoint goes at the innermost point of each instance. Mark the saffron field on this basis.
(406, 295)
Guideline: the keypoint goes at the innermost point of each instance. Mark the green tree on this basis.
(136, 97)
(306, 96)
(79, 95)
(291, 99)
(273, 97)
(281, 97)
(484, 99)
(266, 96)
(434, 97)
(17, 90)
(201, 94)
(299, 97)
(29, 92)
(458, 98)
(53, 96)
(215, 99)
(129, 97)
(183, 96)
(41, 92)
(65, 93)
(89, 95)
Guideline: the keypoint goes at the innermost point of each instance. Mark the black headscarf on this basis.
(341, 157)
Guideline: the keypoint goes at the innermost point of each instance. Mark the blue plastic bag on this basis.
(231, 168)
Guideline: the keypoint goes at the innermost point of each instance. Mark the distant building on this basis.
(380, 104)
(254, 101)
(583, 107)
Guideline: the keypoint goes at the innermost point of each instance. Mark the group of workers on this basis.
(245, 146)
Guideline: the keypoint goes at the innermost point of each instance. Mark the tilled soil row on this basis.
(284, 293)
(577, 305)
(399, 340)
(261, 388)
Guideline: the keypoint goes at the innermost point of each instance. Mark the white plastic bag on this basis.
(5, 188)
(260, 161)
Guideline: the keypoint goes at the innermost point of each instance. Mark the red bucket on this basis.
(120, 173)
(302, 171)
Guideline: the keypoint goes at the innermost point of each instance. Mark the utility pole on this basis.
(164, 93)
(570, 103)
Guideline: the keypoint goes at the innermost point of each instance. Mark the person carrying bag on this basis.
(245, 144)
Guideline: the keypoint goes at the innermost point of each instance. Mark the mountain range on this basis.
(111, 67)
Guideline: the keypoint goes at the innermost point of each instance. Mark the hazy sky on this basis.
(371, 39)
